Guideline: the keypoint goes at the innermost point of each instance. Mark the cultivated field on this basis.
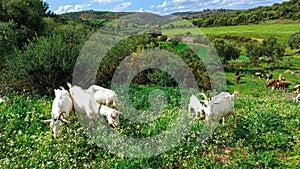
(281, 31)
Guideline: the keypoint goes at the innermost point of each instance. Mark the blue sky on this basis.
(161, 7)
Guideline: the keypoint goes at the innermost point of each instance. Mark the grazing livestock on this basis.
(280, 85)
(237, 79)
(196, 105)
(257, 74)
(296, 89)
(103, 95)
(220, 106)
(297, 98)
(111, 114)
(61, 107)
(270, 76)
(271, 82)
(281, 78)
(85, 104)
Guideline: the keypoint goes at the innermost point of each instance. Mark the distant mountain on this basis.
(94, 18)
(219, 17)
(207, 12)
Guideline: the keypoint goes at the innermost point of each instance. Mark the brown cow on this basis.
(280, 85)
(270, 82)
(237, 79)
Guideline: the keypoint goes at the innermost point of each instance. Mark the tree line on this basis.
(286, 10)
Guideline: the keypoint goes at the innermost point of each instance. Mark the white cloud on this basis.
(141, 10)
(122, 6)
(71, 8)
(164, 5)
(183, 1)
(106, 1)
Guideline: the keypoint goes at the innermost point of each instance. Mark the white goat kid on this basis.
(196, 104)
(111, 114)
(61, 107)
(103, 95)
(220, 106)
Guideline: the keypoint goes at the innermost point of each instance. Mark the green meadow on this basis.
(281, 31)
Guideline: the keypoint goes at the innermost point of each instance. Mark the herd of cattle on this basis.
(279, 84)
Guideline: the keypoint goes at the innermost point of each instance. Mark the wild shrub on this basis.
(47, 62)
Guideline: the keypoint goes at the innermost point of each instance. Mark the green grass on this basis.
(267, 134)
(261, 31)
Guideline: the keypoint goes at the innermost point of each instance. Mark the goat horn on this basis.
(205, 97)
(46, 121)
(69, 85)
(62, 88)
(235, 93)
(61, 114)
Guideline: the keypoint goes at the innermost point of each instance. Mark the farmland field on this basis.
(262, 31)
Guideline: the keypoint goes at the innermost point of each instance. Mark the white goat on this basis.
(103, 95)
(297, 98)
(86, 104)
(196, 105)
(220, 106)
(111, 114)
(61, 107)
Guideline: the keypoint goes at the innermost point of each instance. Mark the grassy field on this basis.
(281, 31)
(267, 133)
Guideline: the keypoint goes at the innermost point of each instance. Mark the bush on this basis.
(294, 41)
(47, 62)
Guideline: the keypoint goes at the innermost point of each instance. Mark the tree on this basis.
(255, 51)
(226, 51)
(8, 41)
(294, 41)
(27, 15)
(273, 50)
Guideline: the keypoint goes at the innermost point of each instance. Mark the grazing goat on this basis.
(61, 107)
(196, 105)
(297, 98)
(220, 106)
(111, 114)
(296, 89)
(86, 104)
(103, 95)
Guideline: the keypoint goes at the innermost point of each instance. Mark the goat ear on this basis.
(46, 121)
